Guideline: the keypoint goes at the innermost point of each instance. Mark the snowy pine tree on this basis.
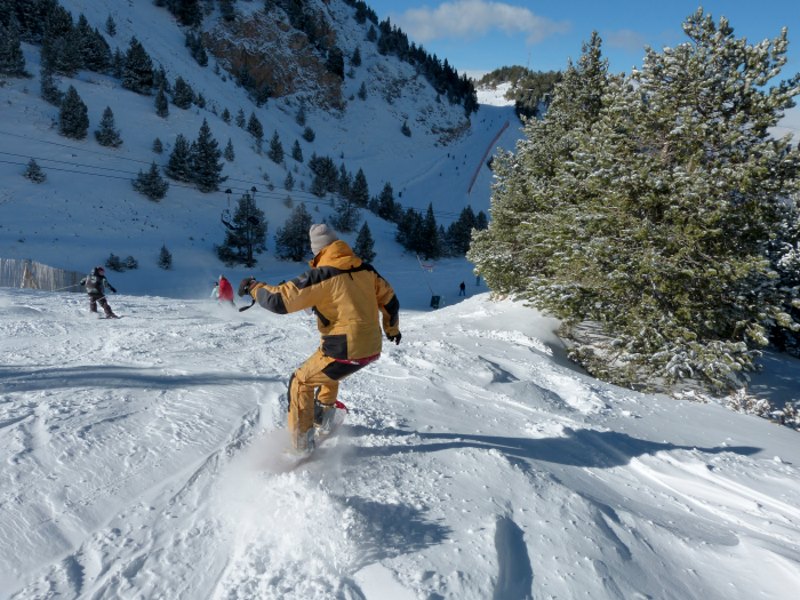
(459, 233)
(183, 94)
(291, 240)
(93, 49)
(255, 129)
(386, 207)
(164, 258)
(297, 152)
(430, 246)
(359, 191)
(48, 87)
(151, 184)
(365, 245)
(648, 204)
(12, 61)
(73, 118)
(206, 161)
(246, 234)
(275, 152)
(345, 217)
(107, 134)
(179, 166)
(229, 153)
(137, 70)
(34, 172)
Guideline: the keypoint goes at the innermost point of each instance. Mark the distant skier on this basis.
(96, 284)
(347, 295)
(223, 291)
(462, 289)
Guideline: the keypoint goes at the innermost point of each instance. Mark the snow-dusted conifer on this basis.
(430, 247)
(647, 204)
(297, 151)
(255, 129)
(164, 258)
(291, 240)
(183, 94)
(107, 134)
(345, 216)
(137, 70)
(151, 184)
(229, 153)
(73, 118)
(179, 166)
(206, 161)
(49, 88)
(246, 235)
(34, 172)
(365, 245)
(359, 191)
(12, 61)
(275, 152)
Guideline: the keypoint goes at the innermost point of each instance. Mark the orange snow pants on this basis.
(317, 379)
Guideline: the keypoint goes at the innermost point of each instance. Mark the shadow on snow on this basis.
(579, 448)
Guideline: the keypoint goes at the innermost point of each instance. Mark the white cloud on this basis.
(625, 39)
(475, 18)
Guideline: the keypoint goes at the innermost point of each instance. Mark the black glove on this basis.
(113, 290)
(245, 285)
(395, 338)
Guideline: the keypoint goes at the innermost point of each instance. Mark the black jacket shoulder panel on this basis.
(270, 301)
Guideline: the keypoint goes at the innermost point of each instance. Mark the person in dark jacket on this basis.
(96, 284)
(352, 303)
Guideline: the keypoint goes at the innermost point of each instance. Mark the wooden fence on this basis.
(29, 274)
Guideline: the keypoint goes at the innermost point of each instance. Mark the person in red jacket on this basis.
(225, 291)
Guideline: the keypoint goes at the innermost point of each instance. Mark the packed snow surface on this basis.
(141, 458)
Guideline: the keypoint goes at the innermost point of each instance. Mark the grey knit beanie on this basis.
(321, 235)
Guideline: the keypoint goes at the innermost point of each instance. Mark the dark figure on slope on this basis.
(96, 285)
(462, 289)
(351, 302)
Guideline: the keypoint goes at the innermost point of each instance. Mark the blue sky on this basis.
(477, 36)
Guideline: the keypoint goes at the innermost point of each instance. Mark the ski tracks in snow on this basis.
(470, 466)
(119, 443)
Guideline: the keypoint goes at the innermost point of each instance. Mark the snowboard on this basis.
(338, 418)
(289, 460)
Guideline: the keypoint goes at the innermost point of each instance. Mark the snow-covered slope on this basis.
(137, 455)
(87, 209)
(139, 462)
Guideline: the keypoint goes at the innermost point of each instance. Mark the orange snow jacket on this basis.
(346, 294)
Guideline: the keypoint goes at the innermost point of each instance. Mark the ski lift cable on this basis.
(273, 194)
